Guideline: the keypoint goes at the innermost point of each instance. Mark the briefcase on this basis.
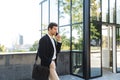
(40, 72)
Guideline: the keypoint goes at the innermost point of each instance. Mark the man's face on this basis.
(54, 30)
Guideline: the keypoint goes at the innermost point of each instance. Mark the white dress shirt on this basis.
(53, 43)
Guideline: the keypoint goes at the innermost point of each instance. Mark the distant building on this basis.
(20, 40)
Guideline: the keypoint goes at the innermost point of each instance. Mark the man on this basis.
(48, 49)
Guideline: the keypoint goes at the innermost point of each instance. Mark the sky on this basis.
(19, 17)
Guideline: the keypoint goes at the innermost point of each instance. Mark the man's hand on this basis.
(58, 38)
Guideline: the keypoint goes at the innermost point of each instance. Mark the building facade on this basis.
(90, 31)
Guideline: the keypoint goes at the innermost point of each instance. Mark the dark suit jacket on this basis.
(46, 50)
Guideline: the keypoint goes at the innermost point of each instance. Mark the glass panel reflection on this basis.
(45, 15)
(105, 10)
(112, 11)
(118, 48)
(95, 10)
(77, 67)
(54, 11)
(118, 11)
(77, 37)
(95, 36)
(77, 11)
(95, 47)
(64, 12)
(77, 49)
(65, 34)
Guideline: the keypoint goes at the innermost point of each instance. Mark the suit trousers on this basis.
(53, 74)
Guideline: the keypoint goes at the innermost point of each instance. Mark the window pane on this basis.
(105, 10)
(64, 12)
(112, 11)
(95, 10)
(65, 34)
(118, 47)
(45, 15)
(95, 50)
(77, 49)
(77, 11)
(118, 11)
(77, 65)
(54, 11)
(77, 37)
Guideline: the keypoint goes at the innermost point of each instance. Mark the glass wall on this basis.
(65, 34)
(77, 37)
(95, 39)
(71, 29)
(64, 23)
(77, 49)
(69, 16)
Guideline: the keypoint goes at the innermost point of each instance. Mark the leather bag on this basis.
(40, 72)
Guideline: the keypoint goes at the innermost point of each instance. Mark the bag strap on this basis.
(36, 58)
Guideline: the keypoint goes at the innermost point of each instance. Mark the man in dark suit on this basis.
(49, 46)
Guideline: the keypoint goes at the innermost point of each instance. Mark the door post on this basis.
(86, 26)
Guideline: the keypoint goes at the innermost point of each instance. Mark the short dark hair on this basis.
(51, 25)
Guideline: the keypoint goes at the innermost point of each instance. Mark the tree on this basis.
(2, 48)
(34, 46)
(77, 17)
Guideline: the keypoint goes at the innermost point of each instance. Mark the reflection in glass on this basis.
(118, 11)
(77, 11)
(118, 47)
(77, 67)
(44, 32)
(105, 10)
(77, 37)
(64, 12)
(45, 15)
(53, 11)
(95, 10)
(65, 34)
(112, 11)
(95, 36)
(95, 50)
(77, 49)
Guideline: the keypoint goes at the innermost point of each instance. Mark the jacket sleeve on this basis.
(58, 47)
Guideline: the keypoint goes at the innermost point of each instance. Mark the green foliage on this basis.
(2, 48)
(94, 33)
(77, 9)
(77, 16)
(94, 8)
(65, 43)
(16, 50)
(34, 46)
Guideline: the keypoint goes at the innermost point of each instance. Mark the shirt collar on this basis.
(50, 36)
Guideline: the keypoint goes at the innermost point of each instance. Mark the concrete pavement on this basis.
(106, 76)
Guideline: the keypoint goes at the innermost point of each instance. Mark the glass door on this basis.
(107, 59)
(95, 50)
(118, 48)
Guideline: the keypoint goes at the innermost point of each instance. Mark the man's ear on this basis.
(48, 29)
